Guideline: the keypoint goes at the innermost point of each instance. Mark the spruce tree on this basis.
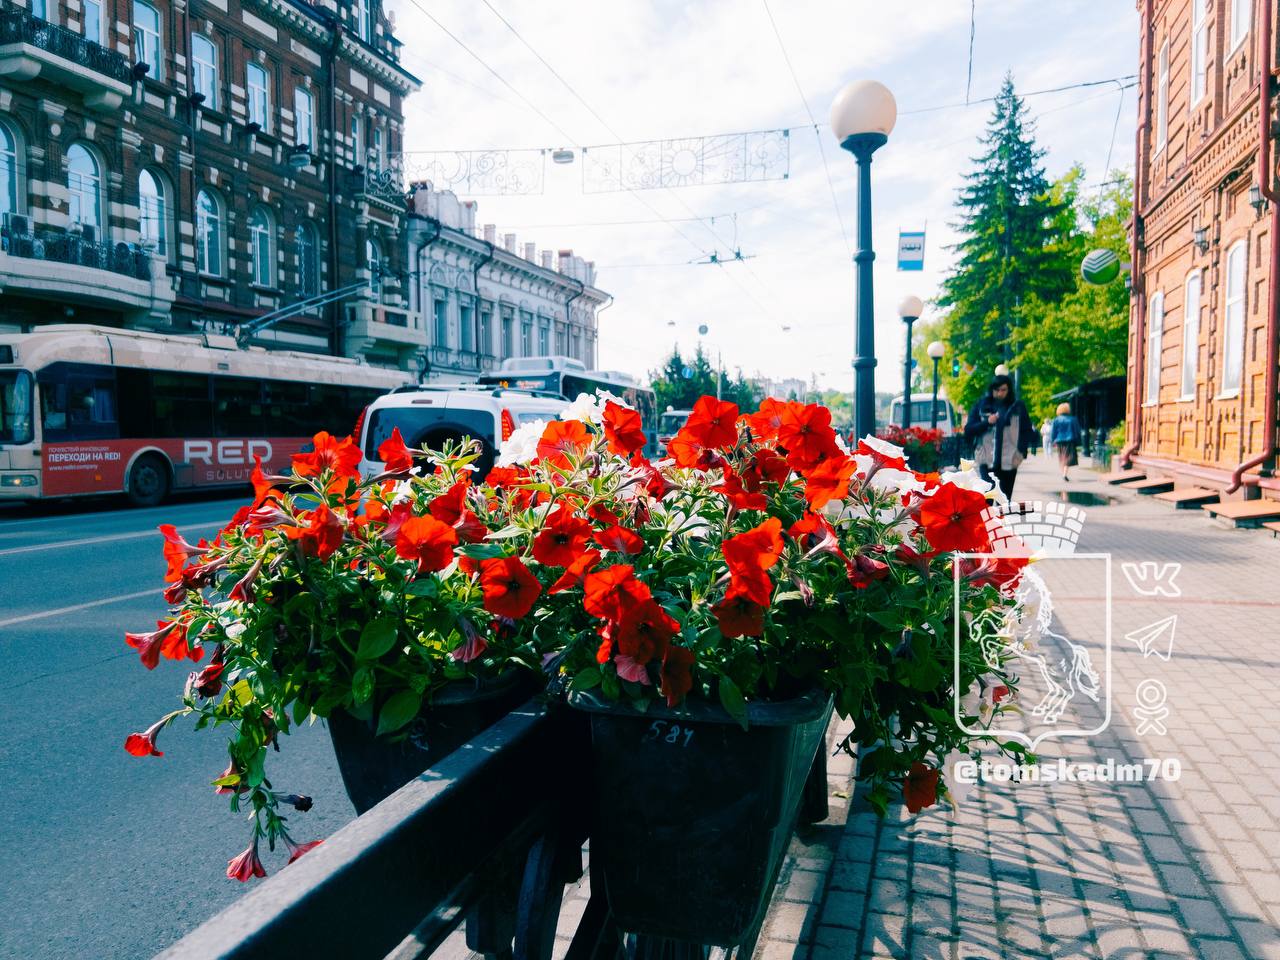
(1016, 247)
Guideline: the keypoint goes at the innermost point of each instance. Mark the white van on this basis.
(921, 415)
(429, 415)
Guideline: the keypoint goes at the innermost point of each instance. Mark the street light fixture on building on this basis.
(909, 310)
(862, 117)
(937, 350)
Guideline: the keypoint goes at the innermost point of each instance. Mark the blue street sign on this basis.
(911, 250)
(687, 372)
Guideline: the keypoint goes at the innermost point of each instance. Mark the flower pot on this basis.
(373, 767)
(692, 814)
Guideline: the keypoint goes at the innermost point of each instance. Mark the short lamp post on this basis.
(937, 350)
(862, 117)
(909, 310)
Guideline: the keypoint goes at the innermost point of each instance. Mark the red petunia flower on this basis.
(713, 423)
(807, 436)
(767, 465)
(298, 849)
(329, 453)
(510, 590)
(644, 632)
(450, 505)
(657, 485)
(623, 429)
(767, 420)
(563, 538)
(737, 493)
(677, 674)
(244, 590)
(262, 484)
(208, 682)
(880, 456)
(395, 456)
(920, 789)
(620, 540)
(613, 592)
(473, 643)
(247, 865)
(828, 481)
(1002, 572)
(177, 552)
(428, 541)
(574, 573)
(148, 645)
(757, 549)
(952, 519)
(739, 616)
(321, 536)
(144, 744)
(563, 437)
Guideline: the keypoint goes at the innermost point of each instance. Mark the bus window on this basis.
(78, 402)
(135, 402)
(237, 407)
(286, 408)
(181, 404)
(15, 406)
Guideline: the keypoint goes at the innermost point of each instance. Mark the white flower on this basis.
(402, 491)
(590, 409)
(966, 479)
(898, 481)
(883, 447)
(957, 790)
(522, 446)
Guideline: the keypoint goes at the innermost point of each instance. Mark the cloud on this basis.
(667, 69)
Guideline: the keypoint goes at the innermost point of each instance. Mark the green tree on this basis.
(673, 389)
(1016, 245)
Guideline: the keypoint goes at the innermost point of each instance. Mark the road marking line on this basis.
(79, 606)
(32, 548)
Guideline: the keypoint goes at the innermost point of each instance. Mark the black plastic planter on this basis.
(373, 768)
(693, 814)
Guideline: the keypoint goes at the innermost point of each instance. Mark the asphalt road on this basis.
(103, 855)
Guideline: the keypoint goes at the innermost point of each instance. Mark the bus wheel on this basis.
(148, 481)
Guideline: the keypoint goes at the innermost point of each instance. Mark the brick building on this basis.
(1202, 347)
(186, 165)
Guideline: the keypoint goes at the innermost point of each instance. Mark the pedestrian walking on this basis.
(1046, 431)
(1065, 437)
(1002, 432)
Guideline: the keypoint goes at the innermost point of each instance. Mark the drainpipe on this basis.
(1135, 255)
(336, 339)
(595, 360)
(475, 285)
(1266, 184)
(431, 238)
(568, 314)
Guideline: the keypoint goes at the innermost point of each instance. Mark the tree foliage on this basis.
(673, 389)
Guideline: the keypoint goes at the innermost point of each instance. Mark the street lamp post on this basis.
(936, 351)
(862, 117)
(909, 310)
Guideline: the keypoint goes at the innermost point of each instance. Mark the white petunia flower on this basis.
(898, 481)
(589, 408)
(522, 446)
(883, 447)
(966, 480)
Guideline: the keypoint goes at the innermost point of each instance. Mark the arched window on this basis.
(308, 260)
(1155, 345)
(147, 47)
(12, 190)
(204, 69)
(1190, 334)
(153, 212)
(208, 234)
(261, 235)
(84, 187)
(1233, 334)
(373, 259)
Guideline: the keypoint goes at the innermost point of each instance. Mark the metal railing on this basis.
(18, 26)
(386, 185)
(126, 259)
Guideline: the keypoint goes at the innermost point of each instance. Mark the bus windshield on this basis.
(920, 412)
(15, 407)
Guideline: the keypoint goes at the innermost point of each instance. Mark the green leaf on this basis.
(732, 700)
(428, 587)
(254, 774)
(242, 693)
(230, 780)
(480, 551)
(586, 680)
(398, 711)
(362, 685)
(376, 638)
(610, 686)
(506, 533)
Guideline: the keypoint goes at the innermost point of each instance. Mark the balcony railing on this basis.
(386, 185)
(469, 360)
(123, 258)
(18, 26)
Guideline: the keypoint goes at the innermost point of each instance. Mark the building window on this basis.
(1233, 334)
(544, 339)
(308, 260)
(1155, 334)
(378, 155)
(12, 190)
(92, 20)
(208, 234)
(1199, 50)
(1241, 21)
(1162, 99)
(304, 119)
(261, 247)
(38, 10)
(146, 38)
(357, 145)
(84, 187)
(485, 344)
(204, 69)
(373, 260)
(441, 331)
(1191, 336)
(364, 20)
(508, 336)
(526, 338)
(259, 87)
(466, 327)
(153, 212)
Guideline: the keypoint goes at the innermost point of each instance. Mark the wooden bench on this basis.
(1273, 526)
(1187, 498)
(1123, 476)
(1245, 513)
(1148, 486)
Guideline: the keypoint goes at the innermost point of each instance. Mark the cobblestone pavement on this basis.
(1159, 868)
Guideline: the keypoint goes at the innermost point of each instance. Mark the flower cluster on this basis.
(922, 446)
(764, 559)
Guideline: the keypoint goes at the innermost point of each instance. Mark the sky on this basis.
(656, 69)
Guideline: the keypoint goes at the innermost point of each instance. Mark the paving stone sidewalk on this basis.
(1185, 868)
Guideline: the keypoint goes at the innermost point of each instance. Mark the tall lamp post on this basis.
(909, 310)
(862, 117)
(936, 351)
